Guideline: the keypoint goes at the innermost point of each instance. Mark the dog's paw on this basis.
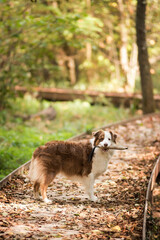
(36, 196)
(94, 199)
(46, 200)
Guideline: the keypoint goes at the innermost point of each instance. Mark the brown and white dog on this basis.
(83, 161)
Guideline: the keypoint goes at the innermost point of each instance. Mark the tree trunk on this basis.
(71, 63)
(72, 70)
(88, 45)
(124, 39)
(88, 3)
(146, 80)
(131, 76)
(88, 51)
(128, 64)
(113, 52)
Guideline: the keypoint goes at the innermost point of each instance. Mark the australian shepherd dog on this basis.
(82, 160)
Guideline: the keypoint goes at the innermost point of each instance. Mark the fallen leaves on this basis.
(114, 229)
(121, 192)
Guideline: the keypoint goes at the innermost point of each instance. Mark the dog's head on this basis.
(104, 139)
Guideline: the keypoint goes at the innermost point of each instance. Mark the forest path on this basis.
(121, 192)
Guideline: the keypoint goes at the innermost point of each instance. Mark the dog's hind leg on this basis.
(36, 189)
(47, 179)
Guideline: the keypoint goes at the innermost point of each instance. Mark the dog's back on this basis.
(70, 158)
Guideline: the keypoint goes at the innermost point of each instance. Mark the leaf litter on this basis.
(121, 192)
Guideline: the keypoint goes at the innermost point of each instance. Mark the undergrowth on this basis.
(19, 138)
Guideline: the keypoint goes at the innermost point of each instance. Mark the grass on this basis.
(18, 138)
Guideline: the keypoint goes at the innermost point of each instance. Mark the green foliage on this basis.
(39, 38)
(18, 139)
(33, 34)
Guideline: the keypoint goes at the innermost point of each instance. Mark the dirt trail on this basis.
(121, 192)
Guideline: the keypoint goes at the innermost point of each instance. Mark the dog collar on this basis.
(91, 154)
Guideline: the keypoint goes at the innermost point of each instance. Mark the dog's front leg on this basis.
(89, 184)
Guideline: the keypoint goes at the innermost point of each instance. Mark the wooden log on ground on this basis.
(56, 94)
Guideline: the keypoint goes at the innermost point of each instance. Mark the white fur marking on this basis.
(46, 200)
(107, 139)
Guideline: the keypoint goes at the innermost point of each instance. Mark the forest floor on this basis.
(121, 192)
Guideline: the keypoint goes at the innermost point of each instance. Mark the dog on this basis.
(83, 160)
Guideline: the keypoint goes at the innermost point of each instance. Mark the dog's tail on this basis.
(36, 168)
(36, 171)
(30, 172)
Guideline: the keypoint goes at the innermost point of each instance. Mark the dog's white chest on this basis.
(100, 162)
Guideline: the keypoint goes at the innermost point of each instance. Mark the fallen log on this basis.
(48, 113)
(57, 94)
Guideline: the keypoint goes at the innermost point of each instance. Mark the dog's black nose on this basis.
(105, 145)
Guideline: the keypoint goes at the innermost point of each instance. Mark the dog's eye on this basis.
(109, 139)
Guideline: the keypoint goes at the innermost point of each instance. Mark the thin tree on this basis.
(128, 64)
(146, 80)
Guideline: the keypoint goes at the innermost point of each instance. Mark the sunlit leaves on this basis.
(32, 34)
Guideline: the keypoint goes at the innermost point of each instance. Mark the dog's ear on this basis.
(97, 133)
(114, 136)
(99, 136)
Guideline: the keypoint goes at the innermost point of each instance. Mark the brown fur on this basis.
(114, 136)
(59, 156)
(70, 158)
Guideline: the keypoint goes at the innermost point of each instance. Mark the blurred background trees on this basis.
(80, 44)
